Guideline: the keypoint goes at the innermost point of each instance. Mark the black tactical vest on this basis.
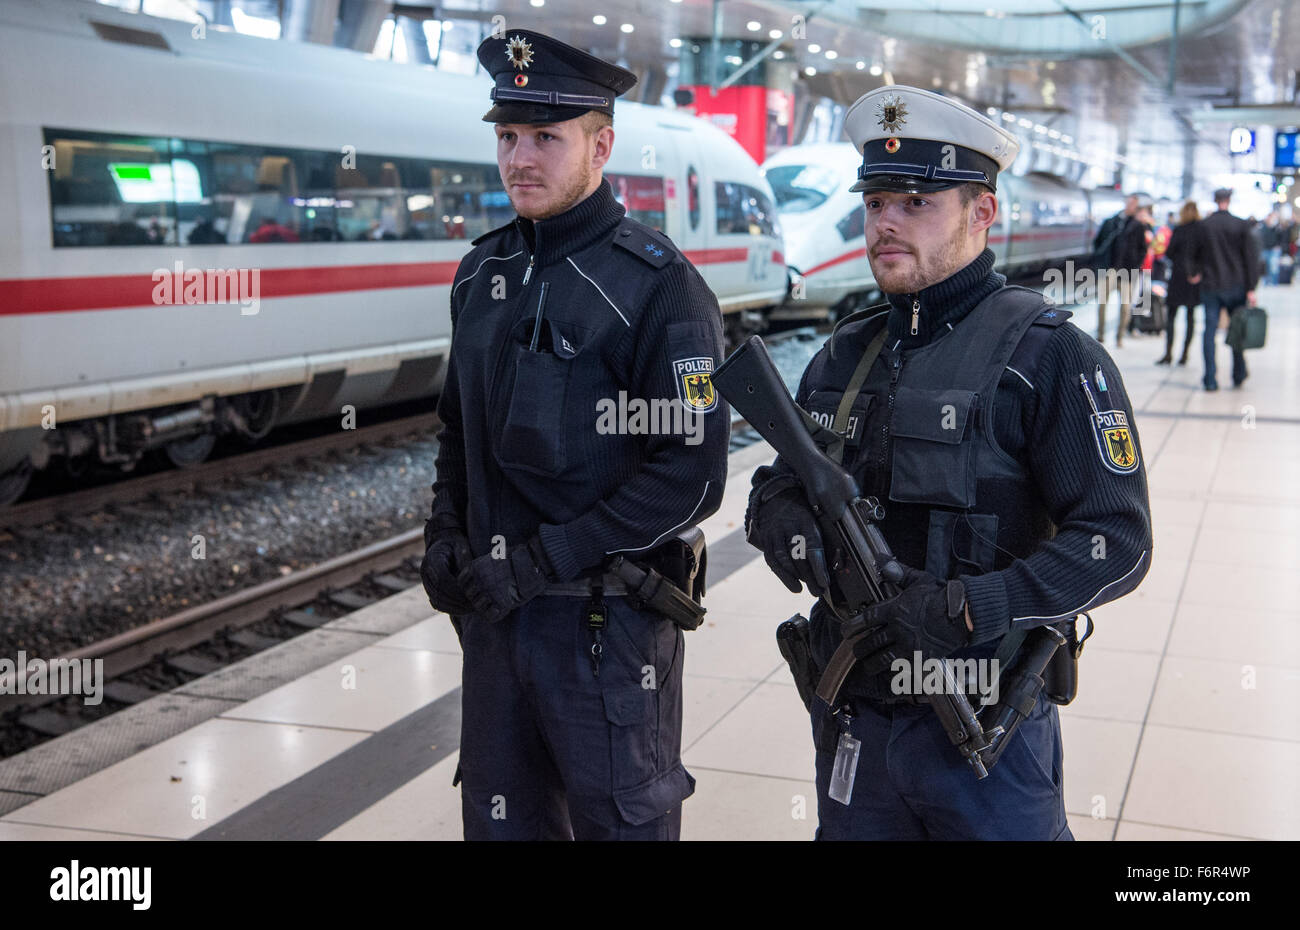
(923, 442)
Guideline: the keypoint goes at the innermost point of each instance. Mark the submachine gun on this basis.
(865, 572)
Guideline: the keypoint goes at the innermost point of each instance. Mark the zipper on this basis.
(894, 371)
(916, 315)
(528, 272)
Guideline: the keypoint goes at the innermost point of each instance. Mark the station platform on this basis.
(1184, 728)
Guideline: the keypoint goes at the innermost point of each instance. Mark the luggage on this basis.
(1285, 269)
(1154, 320)
(1248, 328)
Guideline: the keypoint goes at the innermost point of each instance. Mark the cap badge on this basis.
(892, 113)
(519, 52)
(891, 145)
(521, 80)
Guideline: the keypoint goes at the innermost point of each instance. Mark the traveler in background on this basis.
(1270, 242)
(1130, 255)
(1227, 261)
(1104, 247)
(1182, 292)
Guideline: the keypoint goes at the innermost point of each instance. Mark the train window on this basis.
(124, 190)
(743, 210)
(114, 190)
(800, 188)
(693, 197)
(853, 226)
(642, 197)
(466, 201)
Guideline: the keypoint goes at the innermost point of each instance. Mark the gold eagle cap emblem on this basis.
(891, 113)
(519, 52)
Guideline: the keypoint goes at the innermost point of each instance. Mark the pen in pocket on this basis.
(537, 323)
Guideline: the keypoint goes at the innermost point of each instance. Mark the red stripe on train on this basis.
(56, 295)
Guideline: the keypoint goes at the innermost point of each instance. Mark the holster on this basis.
(1061, 678)
(670, 578)
(794, 641)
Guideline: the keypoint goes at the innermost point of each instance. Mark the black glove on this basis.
(447, 555)
(929, 616)
(783, 526)
(497, 586)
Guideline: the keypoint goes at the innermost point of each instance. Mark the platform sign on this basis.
(1241, 141)
(1285, 154)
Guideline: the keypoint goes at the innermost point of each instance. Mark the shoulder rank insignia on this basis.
(694, 377)
(644, 244)
(1052, 316)
(1113, 434)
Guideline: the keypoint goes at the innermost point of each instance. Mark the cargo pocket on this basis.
(932, 455)
(641, 791)
(960, 543)
(533, 438)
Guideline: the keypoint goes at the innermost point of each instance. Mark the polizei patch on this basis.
(694, 378)
(1114, 438)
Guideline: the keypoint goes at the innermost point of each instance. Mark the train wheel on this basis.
(14, 482)
(187, 453)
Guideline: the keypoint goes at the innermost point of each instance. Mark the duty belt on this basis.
(611, 585)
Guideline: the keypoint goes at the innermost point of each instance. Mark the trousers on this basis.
(554, 747)
(1214, 300)
(912, 783)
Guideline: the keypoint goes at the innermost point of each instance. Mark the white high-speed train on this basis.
(135, 151)
(1042, 219)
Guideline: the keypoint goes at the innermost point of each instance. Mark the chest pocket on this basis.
(822, 407)
(932, 434)
(533, 438)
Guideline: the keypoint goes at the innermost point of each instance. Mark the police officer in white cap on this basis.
(1000, 439)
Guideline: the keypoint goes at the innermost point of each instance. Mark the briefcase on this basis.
(1248, 328)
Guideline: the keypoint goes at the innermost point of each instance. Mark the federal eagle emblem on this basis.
(891, 113)
(695, 383)
(1115, 443)
(519, 52)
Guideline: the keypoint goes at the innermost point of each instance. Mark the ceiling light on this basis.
(599, 20)
(627, 27)
(861, 66)
(814, 48)
(831, 54)
(753, 25)
(810, 71)
(537, 2)
(775, 34)
(877, 70)
(675, 43)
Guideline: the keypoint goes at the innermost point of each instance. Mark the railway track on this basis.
(132, 490)
(155, 657)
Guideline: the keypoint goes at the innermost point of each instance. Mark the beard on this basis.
(943, 261)
(564, 196)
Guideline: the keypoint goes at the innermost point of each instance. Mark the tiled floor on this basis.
(1185, 726)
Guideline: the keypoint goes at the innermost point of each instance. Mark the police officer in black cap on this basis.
(1001, 442)
(566, 324)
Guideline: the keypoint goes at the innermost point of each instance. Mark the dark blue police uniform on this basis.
(563, 329)
(1000, 439)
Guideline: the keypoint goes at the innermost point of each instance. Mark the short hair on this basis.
(970, 190)
(593, 121)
